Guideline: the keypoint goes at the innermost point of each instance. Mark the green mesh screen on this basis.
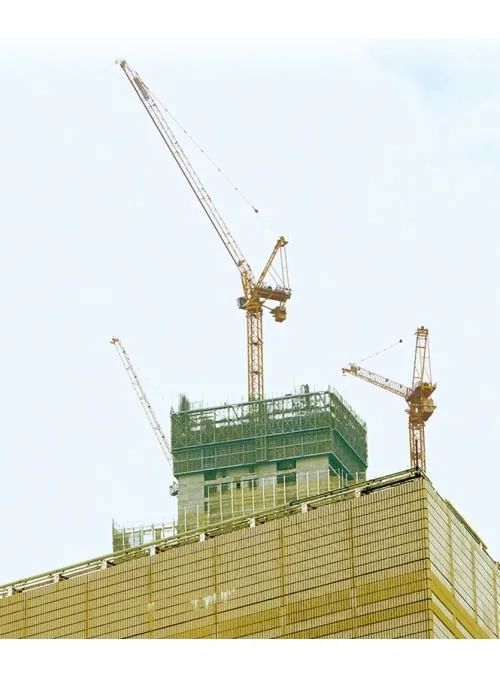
(292, 426)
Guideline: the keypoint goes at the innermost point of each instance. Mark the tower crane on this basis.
(417, 396)
(148, 409)
(257, 292)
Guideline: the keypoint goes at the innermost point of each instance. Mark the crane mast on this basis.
(255, 295)
(146, 405)
(418, 396)
(421, 407)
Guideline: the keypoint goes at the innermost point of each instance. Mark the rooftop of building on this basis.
(178, 540)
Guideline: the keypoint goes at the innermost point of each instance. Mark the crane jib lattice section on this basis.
(292, 426)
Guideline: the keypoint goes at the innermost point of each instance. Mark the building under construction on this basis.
(279, 533)
(238, 458)
(384, 558)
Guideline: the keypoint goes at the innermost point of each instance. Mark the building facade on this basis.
(386, 558)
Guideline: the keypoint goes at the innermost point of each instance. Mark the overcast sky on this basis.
(379, 161)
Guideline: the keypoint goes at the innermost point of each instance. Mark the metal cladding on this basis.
(387, 558)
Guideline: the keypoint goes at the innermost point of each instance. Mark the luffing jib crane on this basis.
(155, 424)
(257, 294)
(418, 395)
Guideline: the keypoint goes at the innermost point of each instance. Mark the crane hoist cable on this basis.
(212, 162)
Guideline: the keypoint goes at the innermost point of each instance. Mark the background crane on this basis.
(155, 424)
(257, 294)
(418, 395)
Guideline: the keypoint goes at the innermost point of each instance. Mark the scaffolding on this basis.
(125, 537)
(292, 426)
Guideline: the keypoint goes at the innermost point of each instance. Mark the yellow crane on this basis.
(148, 409)
(257, 292)
(418, 395)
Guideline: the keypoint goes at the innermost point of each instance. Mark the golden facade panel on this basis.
(398, 562)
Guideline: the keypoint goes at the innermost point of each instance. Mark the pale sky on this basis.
(379, 161)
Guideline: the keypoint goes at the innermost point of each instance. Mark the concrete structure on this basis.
(387, 558)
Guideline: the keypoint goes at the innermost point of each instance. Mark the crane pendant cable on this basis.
(252, 207)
